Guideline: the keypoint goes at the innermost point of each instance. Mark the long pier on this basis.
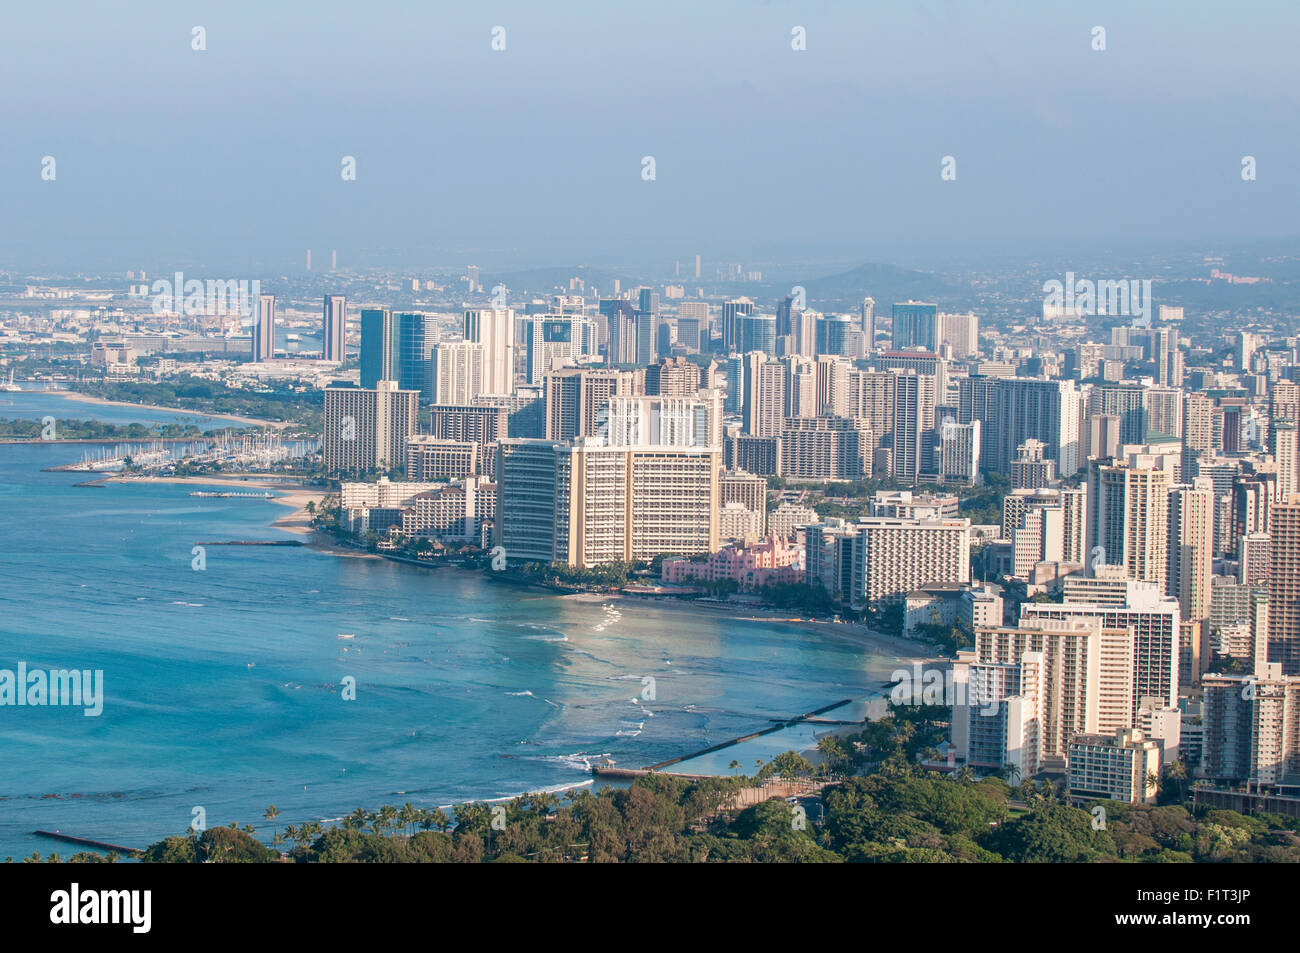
(779, 723)
(88, 842)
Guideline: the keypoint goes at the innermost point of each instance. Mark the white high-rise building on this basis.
(891, 557)
(1129, 526)
(456, 373)
(666, 421)
(1152, 618)
(494, 328)
(961, 332)
(1045, 526)
(585, 503)
(555, 341)
(334, 328)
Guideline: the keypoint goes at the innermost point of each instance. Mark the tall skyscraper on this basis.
(1130, 507)
(1284, 585)
(367, 428)
(763, 405)
(1191, 547)
(1138, 607)
(587, 503)
(622, 343)
(1032, 408)
(577, 399)
(334, 328)
(801, 397)
(494, 328)
(264, 329)
(803, 333)
(913, 393)
(662, 421)
(553, 341)
(832, 332)
(1249, 732)
(693, 325)
(456, 373)
(867, 314)
(1287, 456)
(916, 324)
(758, 333)
(961, 332)
(416, 335)
(379, 347)
(647, 339)
(731, 314)
(1164, 407)
(1284, 402)
(1045, 525)
(1127, 401)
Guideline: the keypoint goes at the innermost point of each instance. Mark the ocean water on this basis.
(223, 686)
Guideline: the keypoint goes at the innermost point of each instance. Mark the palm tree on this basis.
(271, 814)
(408, 816)
(1153, 782)
(312, 830)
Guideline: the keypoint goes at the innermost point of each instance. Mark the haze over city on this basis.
(641, 433)
(531, 155)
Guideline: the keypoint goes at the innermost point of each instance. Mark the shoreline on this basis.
(103, 401)
(906, 649)
(296, 495)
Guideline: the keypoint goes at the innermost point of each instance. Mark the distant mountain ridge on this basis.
(842, 291)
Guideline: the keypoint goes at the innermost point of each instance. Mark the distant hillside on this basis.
(838, 292)
(885, 283)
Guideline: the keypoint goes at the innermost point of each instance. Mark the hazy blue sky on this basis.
(532, 156)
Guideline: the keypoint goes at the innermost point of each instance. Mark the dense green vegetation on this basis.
(982, 505)
(607, 576)
(303, 408)
(900, 815)
(94, 430)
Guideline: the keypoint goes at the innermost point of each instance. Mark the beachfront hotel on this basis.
(894, 556)
(367, 429)
(584, 503)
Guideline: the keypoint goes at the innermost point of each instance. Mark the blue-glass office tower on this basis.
(416, 336)
(758, 333)
(395, 347)
(916, 324)
(833, 334)
(379, 358)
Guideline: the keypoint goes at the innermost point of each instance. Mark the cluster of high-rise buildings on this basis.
(1153, 499)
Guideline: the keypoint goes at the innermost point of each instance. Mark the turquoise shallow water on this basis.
(222, 686)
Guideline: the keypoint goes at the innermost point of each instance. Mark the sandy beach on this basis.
(295, 495)
(905, 649)
(248, 421)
